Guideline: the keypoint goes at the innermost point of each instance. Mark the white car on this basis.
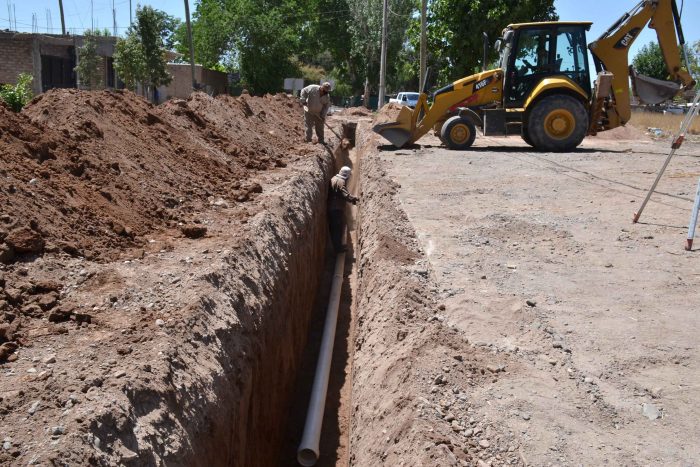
(674, 109)
(406, 98)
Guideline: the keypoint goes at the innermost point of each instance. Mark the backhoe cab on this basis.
(542, 89)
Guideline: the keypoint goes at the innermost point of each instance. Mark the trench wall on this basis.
(221, 383)
(394, 335)
(269, 288)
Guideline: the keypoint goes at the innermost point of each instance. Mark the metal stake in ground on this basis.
(677, 142)
(693, 220)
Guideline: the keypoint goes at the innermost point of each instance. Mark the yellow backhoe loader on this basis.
(542, 88)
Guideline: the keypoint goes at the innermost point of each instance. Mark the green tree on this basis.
(257, 38)
(455, 44)
(17, 96)
(90, 64)
(694, 59)
(213, 28)
(129, 61)
(151, 28)
(649, 61)
(266, 42)
(140, 57)
(366, 31)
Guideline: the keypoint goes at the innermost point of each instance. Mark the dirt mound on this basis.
(157, 268)
(258, 132)
(106, 175)
(388, 113)
(623, 133)
(358, 111)
(95, 172)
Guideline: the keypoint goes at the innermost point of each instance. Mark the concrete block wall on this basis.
(214, 82)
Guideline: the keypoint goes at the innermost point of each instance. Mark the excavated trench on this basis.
(266, 395)
(218, 369)
(382, 344)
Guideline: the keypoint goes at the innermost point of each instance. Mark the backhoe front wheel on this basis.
(458, 132)
(557, 123)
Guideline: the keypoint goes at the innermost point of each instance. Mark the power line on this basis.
(325, 17)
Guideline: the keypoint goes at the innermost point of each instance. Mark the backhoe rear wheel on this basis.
(526, 136)
(557, 123)
(458, 132)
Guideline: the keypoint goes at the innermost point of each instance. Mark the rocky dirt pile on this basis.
(159, 268)
(95, 175)
(99, 171)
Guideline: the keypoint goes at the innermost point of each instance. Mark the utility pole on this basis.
(382, 64)
(423, 44)
(189, 35)
(63, 20)
(131, 21)
(115, 78)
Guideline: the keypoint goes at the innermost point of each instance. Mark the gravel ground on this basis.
(537, 262)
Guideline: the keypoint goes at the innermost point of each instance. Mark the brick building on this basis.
(50, 58)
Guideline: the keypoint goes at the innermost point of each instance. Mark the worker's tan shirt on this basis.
(339, 194)
(316, 103)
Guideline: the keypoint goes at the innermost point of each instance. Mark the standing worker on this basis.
(316, 100)
(338, 196)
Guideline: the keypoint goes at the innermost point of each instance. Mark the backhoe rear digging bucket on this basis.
(653, 91)
(398, 132)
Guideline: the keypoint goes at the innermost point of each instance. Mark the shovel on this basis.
(306, 109)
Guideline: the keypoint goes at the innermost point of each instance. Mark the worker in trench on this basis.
(337, 197)
(316, 101)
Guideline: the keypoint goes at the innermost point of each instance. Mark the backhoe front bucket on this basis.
(398, 132)
(653, 91)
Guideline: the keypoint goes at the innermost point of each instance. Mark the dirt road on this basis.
(537, 261)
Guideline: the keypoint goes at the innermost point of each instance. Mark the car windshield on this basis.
(411, 95)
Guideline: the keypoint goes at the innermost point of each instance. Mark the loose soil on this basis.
(622, 133)
(160, 265)
(588, 320)
(159, 268)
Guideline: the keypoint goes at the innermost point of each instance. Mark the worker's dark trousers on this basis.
(336, 218)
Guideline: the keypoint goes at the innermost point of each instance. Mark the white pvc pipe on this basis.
(308, 451)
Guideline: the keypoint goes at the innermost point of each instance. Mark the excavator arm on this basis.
(410, 125)
(611, 54)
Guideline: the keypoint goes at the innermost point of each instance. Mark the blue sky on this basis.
(603, 13)
(80, 15)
